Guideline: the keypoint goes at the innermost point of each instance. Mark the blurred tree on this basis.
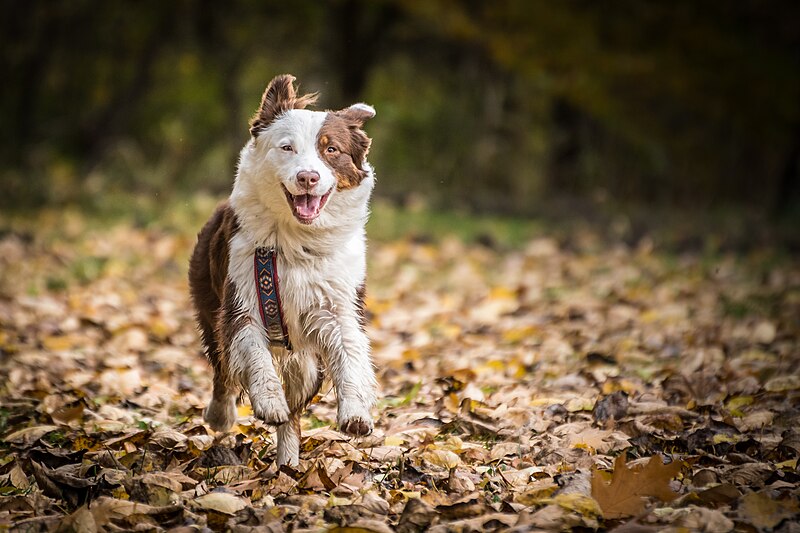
(488, 105)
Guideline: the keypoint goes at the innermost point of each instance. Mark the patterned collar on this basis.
(265, 266)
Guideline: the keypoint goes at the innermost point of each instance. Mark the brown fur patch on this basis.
(361, 307)
(212, 293)
(342, 132)
(280, 96)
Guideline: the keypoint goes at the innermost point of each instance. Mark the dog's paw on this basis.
(354, 419)
(356, 426)
(221, 413)
(270, 408)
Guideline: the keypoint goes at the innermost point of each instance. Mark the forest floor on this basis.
(559, 381)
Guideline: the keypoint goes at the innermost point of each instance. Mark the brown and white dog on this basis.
(302, 188)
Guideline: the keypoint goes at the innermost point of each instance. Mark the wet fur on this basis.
(321, 267)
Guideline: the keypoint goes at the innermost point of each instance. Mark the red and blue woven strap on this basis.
(269, 298)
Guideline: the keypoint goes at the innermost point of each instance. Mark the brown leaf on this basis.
(81, 521)
(611, 407)
(468, 506)
(28, 436)
(162, 480)
(624, 495)
(417, 516)
(765, 512)
(363, 526)
(721, 494)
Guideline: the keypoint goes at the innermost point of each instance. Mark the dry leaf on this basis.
(489, 362)
(765, 512)
(28, 436)
(580, 503)
(625, 494)
(81, 521)
(441, 458)
(417, 516)
(222, 502)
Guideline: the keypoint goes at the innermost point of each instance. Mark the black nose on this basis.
(307, 178)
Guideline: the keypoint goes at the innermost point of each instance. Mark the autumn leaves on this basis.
(550, 386)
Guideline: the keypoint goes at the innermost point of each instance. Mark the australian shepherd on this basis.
(299, 205)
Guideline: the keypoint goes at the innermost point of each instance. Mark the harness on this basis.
(265, 267)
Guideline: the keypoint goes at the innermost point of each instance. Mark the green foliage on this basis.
(494, 106)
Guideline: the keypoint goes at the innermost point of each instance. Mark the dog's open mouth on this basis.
(306, 207)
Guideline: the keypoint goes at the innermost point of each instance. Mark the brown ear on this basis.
(279, 97)
(357, 114)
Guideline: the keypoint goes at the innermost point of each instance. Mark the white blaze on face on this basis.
(291, 149)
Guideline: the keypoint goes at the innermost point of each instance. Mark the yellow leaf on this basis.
(614, 385)
(442, 458)
(580, 503)
(536, 492)
(573, 405)
(243, 411)
(720, 438)
(502, 293)
(517, 335)
(82, 442)
(60, 343)
(735, 404)
(394, 440)
(546, 401)
(411, 354)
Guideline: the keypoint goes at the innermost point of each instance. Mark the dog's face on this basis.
(308, 158)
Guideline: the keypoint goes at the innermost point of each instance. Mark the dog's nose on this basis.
(307, 178)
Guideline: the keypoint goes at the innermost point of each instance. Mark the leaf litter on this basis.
(567, 383)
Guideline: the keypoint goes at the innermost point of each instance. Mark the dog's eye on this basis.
(286, 148)
(331, 149)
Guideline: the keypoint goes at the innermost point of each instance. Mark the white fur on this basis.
(320, 267)
(364, 107)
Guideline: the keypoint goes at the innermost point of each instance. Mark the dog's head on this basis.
(308, 159)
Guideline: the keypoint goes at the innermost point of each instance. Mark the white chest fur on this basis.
(308, 281)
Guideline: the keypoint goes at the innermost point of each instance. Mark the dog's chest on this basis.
(306, 282)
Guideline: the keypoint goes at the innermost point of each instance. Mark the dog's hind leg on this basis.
(221, 411)
(302, 378)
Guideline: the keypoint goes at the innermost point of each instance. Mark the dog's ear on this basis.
(357, 114)
(279, 97)
(359, 143)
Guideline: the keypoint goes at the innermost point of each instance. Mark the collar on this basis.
(265, 267)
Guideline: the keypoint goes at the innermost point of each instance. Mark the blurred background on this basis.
(513, 107)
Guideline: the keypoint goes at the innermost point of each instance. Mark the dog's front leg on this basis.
(347, 353)
(252, 360)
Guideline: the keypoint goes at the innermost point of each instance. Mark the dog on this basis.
(297, 212)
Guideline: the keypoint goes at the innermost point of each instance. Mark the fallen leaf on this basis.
(29, 436)
(417, 516)
(783, 383)
(441, 458)
(625, 494)
(580, 503)
(222, 502)
(765, 512)
(80, 521)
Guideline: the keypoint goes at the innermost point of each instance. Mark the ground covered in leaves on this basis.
(566, 382)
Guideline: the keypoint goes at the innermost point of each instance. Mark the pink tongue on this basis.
(306, 205)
